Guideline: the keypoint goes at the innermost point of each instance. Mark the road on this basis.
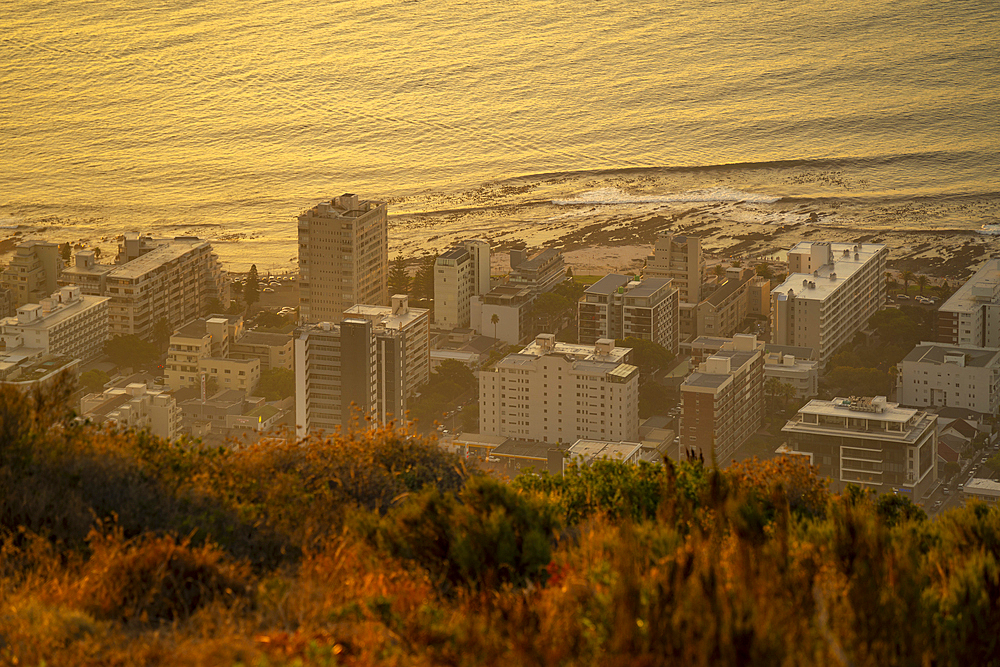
(949, 496)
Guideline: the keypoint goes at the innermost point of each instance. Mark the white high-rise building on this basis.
(67, 323)
(972, 315)
(459, 275)
(560, 392)
(343, 257)
(831, 291)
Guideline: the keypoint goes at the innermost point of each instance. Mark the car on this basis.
(946, 491)
(902, 297)
(493, 459)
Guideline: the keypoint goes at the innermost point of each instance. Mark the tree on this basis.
(423, 282)
(647, 355)
(944, 289)
(251, 291)
(399, 279)
(495, 320)
(548, 309)
(214, 307)
(267, 320)
(772, 390)
(922, 282)
(66, 251)
(161, 332)
(131, 351)
(763, 270)
(737, 263)
(97, 252)
(994, 462)
(719, 270)
(907, 278)
(653, 399)
(950, 469)
(94, 380)
(276, 384)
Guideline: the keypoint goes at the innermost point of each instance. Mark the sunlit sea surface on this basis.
(502, 119)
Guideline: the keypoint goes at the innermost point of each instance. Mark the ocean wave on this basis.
(613, 196)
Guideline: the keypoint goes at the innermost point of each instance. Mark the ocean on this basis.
(516, 120)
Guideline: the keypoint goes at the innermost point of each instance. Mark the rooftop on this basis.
(728, 288)
(981, 287)
(383, 315)
(990, 487)
(170, 250)
(819, 285)
(935, 353)
(264, 338)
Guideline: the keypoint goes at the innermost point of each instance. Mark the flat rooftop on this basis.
(576, 351)
(169, 251)
(981, 288)
(62, 311)
(608, 285)
(383, 315)
(830, 276)
(935, 353)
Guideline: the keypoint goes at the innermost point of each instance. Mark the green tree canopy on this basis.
(131, 351)
(647, 355)
(423, 283)
(94, 380)
(251, 291)
(276, 384)
(399, 278)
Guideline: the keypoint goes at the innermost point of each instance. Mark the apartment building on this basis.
(134, 407)
(414, 326)
(200, 341)
(504, 313)
(33, 271)
(7, 308)
(335, 375)
(680, 259)
(971, 316)
(955, 376)
(723, 311)
(560, 392)
(175, 279)
(460, 274)
(273, 350)
(801, 374)
(343, 257)
(66, 323)
(868, 442)
(722, 402)
(540, 274)
(831, 291)
(617, 306)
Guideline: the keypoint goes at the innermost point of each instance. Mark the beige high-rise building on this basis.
(678, 258)
(460, 274)
(33, 271)
(560, 392)
(67, 323)
(831, 291)
(343, 257)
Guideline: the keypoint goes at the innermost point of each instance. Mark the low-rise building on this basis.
(802, 374)
(560, 392)
(134, 407)
(197, 340)
(273, 350)
(504, 313)
(585, 453)
(957, 376)
(983, 490)
(26, 368)
(723, 311)
(868, 442)
(239, 374)
(67, 323)
(722, 402)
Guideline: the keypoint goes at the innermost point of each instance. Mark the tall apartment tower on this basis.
(618, 307)
(831, 291)
(335, 375)
(678, 258)
(343, 257)
(459, 275)
(972, 315)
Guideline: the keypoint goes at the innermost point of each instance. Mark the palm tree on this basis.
(907, 278)
(922, 282)
(495, 320)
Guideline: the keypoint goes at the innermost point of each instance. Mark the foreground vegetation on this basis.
(375, 547)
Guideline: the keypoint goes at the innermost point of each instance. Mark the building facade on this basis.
(174, 279)
(680, 259)
(971, 316)
(801, 374)
(618, 307)
(955, 376)
(831, 291)
(540, 274)
(198, 340)
(459, 275)
(343, 257)
(335, 375)
(722, 402)
(868, 442)
(33, 271)
(273, 350)
(504, 313)
(560, 392)
(67, 323)
(134, 407)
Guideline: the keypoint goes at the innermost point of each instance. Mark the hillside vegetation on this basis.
(374, 547)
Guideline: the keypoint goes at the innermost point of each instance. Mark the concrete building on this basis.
(238, 374)
(559, 393)
(335, 375)
(512, 308)
(459, 275)
(273, 350)
(618, 307)
(802, 374)
(204, 338)
(67, 323)
(971, 317)
(957, 376)
(33, 271)
(868, 442)
(983, 490)
(723, 311)
(26, 368)
(540, 274)
(343, 257)
(7, 308)
(134, 407)
(414, 325)
(831, 291)
(585, 453)
(175, 279)
(722, 402)
(680, 259)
